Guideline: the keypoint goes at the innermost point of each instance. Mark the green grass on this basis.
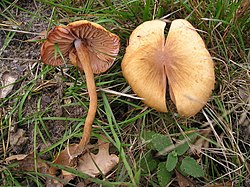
(226, 31)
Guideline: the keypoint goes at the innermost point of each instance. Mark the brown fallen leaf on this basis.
(243, 9)
(7, 81)
(18, 140)
(27, 163)
(184, 181)
(15, 157)
(63, 158)
(224, 184)
(100, 163)
(88, 163)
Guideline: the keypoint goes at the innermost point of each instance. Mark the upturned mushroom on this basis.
(181, 61)
(92, 49)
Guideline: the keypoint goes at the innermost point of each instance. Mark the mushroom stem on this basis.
(83, 56)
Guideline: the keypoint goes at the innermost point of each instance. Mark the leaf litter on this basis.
(89, 163)
(7, 81)
(98, 164)
(28, 162)
(18, 139)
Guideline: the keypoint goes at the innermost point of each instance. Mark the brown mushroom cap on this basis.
(103, 46)
(183, 61)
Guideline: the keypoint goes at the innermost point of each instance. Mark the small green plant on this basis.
(164, 157)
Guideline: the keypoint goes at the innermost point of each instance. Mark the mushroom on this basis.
(182, 62)
(92, 49)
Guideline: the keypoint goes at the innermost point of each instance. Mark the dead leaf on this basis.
(15, 157)
(224, 184)
(243, 8)
(7, 81)
(80, 184)
(64, 159)
(100, 163)
(41, 36)
(18, 139)
(27, 163)
(184, 181)
(89, 163)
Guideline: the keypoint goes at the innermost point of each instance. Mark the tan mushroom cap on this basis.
(141, 65)
(103, 46)
(183, 61)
